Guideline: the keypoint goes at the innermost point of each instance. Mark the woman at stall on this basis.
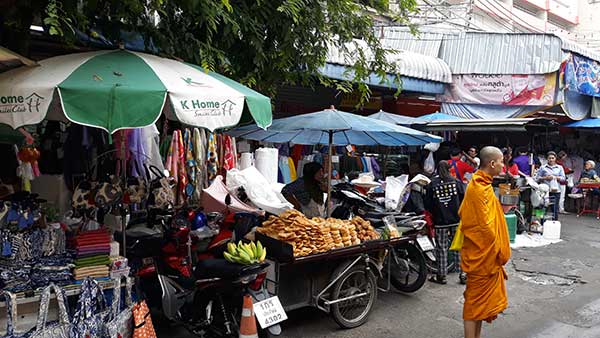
(510, 167)
(307, 193)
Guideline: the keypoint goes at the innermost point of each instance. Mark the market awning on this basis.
(590, 123)
(419, 72)
(10, 59)
(523, 124)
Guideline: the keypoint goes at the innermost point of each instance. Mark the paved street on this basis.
(554, 291)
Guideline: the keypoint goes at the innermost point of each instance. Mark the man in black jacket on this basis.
(443, 197)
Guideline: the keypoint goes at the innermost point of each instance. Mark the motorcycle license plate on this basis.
(425, 243)
(269, 312)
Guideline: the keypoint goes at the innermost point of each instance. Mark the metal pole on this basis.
(330, 151)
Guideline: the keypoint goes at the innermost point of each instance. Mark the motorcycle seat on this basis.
(222, 268)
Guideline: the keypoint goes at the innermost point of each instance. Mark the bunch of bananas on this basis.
(245, 253)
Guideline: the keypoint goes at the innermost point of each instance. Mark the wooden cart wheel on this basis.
(353, 312)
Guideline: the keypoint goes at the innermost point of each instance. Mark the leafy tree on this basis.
(261, 43)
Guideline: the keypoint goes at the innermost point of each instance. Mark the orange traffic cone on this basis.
(248, 323)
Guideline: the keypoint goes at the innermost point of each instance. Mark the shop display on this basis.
(316, 235)
(245, 253)
(121, 320)
(60, 329)
(92, 248)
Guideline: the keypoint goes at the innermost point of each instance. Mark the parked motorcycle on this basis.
(188, 280)
(408, 270)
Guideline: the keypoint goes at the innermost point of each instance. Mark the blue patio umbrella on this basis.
(437, 116)
(591, 122)
(334, 127)
(396, 119)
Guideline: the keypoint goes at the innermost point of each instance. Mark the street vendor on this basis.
(589, 174)
(307, 193)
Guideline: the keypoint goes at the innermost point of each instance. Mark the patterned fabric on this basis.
(443, 238)
(121, 323)
(63, 327)
(143, 322)
(212, 165)
(91, 314)
(11, 316)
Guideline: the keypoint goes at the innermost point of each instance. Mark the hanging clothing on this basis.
(150, 140)
(293, 175)
(181, 172)
(212, 165)
(138, 153)
(284, 169)
(200, 158)
(229, 157)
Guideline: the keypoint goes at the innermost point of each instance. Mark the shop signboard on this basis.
(512, 90)
(582, 75)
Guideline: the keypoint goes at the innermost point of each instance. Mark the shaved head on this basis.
(491, 160)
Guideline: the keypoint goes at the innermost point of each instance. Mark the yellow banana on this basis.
(247, 250)
(231, 248)
(254, 250)
(228, 256)
(263, 255)
(244, 255)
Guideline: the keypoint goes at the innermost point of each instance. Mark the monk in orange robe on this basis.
(486, 247)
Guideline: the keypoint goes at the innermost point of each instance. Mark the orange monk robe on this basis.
(485, 250)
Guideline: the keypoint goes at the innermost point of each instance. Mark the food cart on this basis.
(344, 281)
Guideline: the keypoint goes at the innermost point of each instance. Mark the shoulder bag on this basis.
(60, 329)
(121, 322)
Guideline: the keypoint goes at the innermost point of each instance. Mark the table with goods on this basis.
(335, 265)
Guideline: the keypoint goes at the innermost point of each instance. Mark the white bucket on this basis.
(551, 230)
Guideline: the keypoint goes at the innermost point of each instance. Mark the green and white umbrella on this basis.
(121, 89)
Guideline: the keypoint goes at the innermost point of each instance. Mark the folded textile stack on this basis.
(15, 279)
(92, 249)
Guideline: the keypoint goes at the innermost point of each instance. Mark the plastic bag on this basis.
(459, 238)
(432, 147)
(394, 189)
(258, 189)
(429, 164)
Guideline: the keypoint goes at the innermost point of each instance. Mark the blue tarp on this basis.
(412, 84)
(587, 123)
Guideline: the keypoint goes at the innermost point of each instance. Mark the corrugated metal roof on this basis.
(517, 53)
(408, 63)
(400, 38)
(571, 46)
(497, 53)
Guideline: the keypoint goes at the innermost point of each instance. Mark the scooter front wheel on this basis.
(408, 268)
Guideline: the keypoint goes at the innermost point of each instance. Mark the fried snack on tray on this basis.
(316, 235)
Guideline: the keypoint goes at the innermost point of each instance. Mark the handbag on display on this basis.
(91, 314)
(11, 315)
(143, 327)
(161, 192)
(121, 321)
(60, 329)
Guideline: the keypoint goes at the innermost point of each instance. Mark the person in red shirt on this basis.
(510, 167)
(458, 168)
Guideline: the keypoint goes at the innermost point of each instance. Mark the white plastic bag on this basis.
(429, 164)
(432, 147)
(394, 189)
(259, 191)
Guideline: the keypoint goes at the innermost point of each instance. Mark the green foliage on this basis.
(261, 43)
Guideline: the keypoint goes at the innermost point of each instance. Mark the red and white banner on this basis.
(513, 90)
